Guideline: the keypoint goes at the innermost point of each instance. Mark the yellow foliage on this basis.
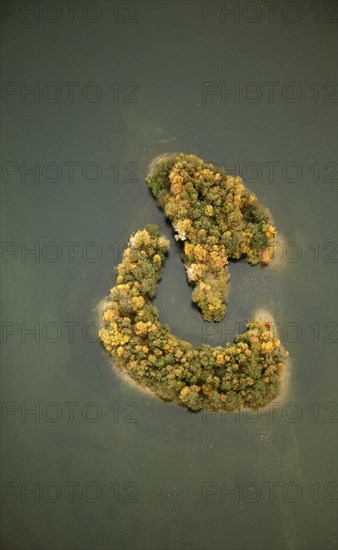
(141, 328)
(141, 238)
(138, 302)
(184, 392)
(270, 232)
(110, 315)
(157, 259)
(176, 183)
(200, 253)
(209, 210)
(189, 249)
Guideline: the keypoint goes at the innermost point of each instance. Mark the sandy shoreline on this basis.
(154, 161)
(261, 314)
(278, 260)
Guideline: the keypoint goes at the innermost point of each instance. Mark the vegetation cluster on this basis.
(217, 218)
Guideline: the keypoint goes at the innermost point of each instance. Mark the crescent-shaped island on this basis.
(219, 220)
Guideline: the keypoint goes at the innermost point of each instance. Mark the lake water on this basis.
(88, 460)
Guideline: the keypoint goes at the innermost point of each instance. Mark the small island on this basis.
(217, 218)
(246, 373)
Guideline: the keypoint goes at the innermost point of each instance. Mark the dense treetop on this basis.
(217, 218)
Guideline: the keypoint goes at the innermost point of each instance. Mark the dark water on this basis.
(100, 465)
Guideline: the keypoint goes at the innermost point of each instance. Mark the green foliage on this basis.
(259, 239)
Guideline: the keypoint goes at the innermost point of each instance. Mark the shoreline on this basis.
(285, 378)
(154, 161)
(278, 262)
(98, 309)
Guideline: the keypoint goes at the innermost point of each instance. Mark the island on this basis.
(245, 373)
(217, 218)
